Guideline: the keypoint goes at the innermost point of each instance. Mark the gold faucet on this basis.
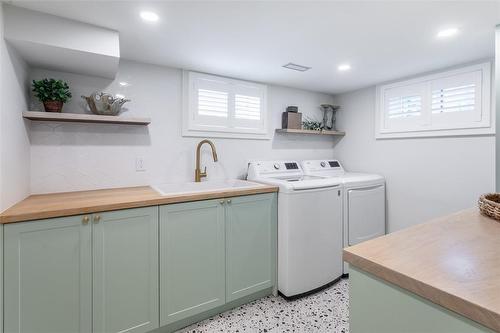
(198, 174)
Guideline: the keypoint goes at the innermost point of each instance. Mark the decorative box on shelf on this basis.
(291, 118)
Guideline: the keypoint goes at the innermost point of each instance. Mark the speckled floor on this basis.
(325, 311)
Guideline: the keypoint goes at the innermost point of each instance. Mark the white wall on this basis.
(54, 42)
(496, 96)
(426, 177)
(67, 157)
(40, 28)
(14, 138)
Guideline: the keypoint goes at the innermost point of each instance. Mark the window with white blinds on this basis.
(455, 102)
(222, 107)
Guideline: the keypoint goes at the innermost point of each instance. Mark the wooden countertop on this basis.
(453, 261)
(84, 202)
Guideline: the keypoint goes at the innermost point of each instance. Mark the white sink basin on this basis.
(208, 186)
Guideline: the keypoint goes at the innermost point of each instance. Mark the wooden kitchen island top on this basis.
(44, 206)
(453, 261)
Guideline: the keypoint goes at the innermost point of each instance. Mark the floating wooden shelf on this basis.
(83, 118)
(309, 132)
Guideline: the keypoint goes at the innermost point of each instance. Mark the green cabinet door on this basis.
(192, 272)
(47, 276)
(251, 229)
(125, 271)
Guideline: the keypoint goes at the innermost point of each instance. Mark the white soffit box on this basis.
(53, 42)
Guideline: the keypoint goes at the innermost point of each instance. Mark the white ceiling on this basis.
(382, 40)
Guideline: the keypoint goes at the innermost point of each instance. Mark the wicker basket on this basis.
(489, 205)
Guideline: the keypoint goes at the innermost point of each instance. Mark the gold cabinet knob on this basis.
(97, 218)
(85, 219)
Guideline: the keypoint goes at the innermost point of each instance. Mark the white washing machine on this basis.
(364, 201)
(309, 226)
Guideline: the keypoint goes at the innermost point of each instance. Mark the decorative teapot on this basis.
(104, 103)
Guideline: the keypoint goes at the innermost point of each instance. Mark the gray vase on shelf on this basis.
(105, 104)
(329, 116)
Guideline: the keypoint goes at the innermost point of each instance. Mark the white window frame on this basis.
(190, 128)
(423, 126)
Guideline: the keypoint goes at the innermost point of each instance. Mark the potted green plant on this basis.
(52, 93)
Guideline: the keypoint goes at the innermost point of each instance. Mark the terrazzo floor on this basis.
(325, 311)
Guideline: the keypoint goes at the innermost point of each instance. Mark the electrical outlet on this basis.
(139, 164)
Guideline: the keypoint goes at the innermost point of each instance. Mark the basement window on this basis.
(216, 106)
(455, 102)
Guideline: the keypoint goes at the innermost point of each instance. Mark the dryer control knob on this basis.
(323, 164)
(276, 166)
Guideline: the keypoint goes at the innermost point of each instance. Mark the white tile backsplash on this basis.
(14, 130)
(68, 157)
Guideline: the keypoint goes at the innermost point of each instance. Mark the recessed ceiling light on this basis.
(296, 67)
(149, 16)
(123, 84)
(344, 67)
(447, 33)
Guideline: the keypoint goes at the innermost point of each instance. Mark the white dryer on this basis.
(309, 226)
(364, 203)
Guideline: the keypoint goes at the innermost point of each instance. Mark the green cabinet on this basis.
(48, 276)
(137, 269)
(379, 306)
(214, 252)
(125, 271)
(250, 245)
(91, 273)
(192, 264)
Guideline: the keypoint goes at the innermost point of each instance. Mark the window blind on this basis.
(247, 107)
(213, 103)
(404, 106)
(458, 98)
(224, 107)
(453, 102)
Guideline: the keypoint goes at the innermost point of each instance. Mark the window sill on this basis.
(227, 135)
(437, 133)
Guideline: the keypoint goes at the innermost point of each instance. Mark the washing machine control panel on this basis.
(291, 166)
(331, 167)
(274, 169)
(334, 164)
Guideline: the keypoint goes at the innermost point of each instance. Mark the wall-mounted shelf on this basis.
(83, 118)
(309, 132)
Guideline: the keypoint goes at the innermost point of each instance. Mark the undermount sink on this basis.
(207, 186)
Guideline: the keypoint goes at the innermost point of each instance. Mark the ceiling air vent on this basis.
(296, 67)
